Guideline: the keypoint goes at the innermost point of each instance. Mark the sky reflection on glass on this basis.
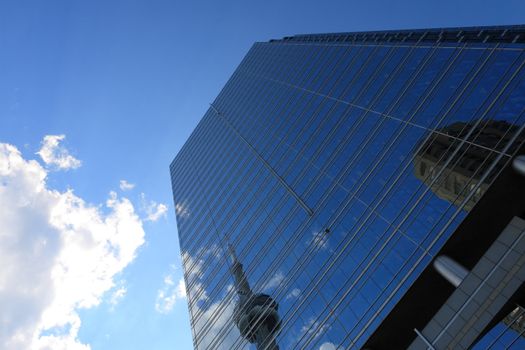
(346, 127)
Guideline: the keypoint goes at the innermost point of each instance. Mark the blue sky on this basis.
(126, 82)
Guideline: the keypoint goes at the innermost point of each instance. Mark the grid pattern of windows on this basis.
(308, 164)
(508, 334)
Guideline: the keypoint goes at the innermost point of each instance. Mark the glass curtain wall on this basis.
(337, 166)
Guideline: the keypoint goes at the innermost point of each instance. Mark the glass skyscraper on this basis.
(336, 167)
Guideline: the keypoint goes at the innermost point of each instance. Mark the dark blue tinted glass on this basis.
(337, 168)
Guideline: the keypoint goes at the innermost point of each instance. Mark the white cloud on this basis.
(313, 329)
(319, 240)
(152, 209)
(198, 293)
(193, 264)
(158, 211)
(294, 293)
(58, 255)
(181, 288)
(126, 186)
(117, 295)
(182, 210)
(216, 323)
(215, 320)
(328, 346)
(274, 282)
(55, 155)
(168, 295)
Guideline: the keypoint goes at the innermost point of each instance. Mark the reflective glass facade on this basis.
(509, 334)
(309, 163)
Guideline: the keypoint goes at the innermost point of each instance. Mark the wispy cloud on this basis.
(216, 315)
(153, 210)
(313, 329)
(158, 210)
(117, 295)
(274, 282)
(55, 155)
(126, 186)
(58, 253)
(319, 240)
(293, 294)
(182, 210)
(328, 346)
(216, 321)
(170, 292)
(198, 293)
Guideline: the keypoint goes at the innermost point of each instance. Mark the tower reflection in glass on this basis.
(310, 163)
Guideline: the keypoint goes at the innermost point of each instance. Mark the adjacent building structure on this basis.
(320, 194)
(468, 163)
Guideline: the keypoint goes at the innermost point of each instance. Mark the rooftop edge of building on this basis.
(514, 33)
(511, 34)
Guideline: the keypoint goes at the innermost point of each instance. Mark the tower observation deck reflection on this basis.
(255, 314)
